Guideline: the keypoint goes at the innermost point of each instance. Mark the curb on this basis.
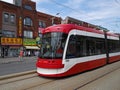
(17, 75)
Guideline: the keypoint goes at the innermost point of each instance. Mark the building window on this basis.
(7, 33)
(6, 17)
(12, 19)
(28, 21)
(42, 24)
(9, 18)
(28, 34)
(28, 7)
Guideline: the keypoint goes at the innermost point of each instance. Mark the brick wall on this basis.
(21, 11)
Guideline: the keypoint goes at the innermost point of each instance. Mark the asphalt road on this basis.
(16, 66)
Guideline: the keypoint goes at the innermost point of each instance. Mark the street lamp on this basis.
(53, 18)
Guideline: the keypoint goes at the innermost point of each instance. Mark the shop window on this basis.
(28, 34)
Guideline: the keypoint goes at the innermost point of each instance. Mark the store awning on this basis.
(32, 47)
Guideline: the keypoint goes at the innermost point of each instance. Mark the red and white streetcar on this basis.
(69, 49)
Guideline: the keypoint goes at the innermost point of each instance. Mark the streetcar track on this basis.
(11, 81)
(40, 84)
(32, 80)
(17, 77)
(97, 78)
(59, 86)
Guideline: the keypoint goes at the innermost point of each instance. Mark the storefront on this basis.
(30, 47)
(10, 47)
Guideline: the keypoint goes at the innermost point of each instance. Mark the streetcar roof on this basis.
(66, 28)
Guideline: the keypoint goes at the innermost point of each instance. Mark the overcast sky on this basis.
(99, 12)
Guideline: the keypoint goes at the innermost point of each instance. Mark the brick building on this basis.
(70, 20)
(19, 23)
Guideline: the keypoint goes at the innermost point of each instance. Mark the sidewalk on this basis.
(16, 59)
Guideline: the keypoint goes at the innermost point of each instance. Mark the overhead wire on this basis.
(63, 5)
(60, 4)
(117, 2)
(117, 23)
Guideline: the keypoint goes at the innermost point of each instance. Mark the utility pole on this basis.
(0, 43)
(1, 48)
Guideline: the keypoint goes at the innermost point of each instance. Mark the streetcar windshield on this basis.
(52, 45)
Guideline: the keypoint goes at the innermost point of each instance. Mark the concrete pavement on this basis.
(14, 65)
(16, 59)
(110, 81)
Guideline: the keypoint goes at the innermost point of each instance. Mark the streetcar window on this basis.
(95, 46)
(53, 45)
(76, 47)
(113, 46)
(80, 46)
(100, 46)
(71, 49)
(90, 45)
